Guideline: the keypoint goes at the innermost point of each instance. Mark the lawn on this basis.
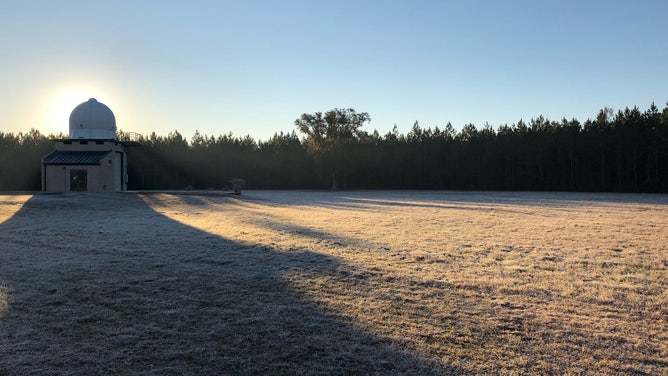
(322, 283)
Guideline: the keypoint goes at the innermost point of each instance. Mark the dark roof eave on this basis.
(124, 143)
(59, 157)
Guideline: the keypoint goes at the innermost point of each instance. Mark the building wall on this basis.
(55, 179)
(109, 176)
(99, 178)
(89, 145)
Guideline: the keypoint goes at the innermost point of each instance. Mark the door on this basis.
(78, 180)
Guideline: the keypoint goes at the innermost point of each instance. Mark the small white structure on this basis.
(92, 120)
(91, 160)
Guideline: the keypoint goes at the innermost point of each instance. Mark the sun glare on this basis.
(62, 104)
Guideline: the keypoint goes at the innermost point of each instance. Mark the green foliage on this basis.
(626, 151)
(211, 162)
(331, 130)
(20, 159)
(329, 136)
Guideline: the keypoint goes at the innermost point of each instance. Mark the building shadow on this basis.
(104, 284)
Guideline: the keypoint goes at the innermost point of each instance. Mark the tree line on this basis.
(622, 151)
(20, 159)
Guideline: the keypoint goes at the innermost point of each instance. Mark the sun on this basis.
(62, 103)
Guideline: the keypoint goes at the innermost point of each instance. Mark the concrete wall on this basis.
(54, 179)
(89, 145)
(109, 176)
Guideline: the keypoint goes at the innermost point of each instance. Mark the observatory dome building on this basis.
(91, 160)
(92, 120)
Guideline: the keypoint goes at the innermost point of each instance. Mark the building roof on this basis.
(59, 157)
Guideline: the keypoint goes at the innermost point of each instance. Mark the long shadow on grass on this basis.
(103, 284)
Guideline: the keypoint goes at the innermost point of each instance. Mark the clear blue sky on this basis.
(253, 67)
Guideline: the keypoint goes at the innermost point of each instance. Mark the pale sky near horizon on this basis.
(253, 67)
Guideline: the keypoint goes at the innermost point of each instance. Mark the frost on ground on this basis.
(334, 283)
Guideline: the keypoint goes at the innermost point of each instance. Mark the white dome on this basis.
(92, 120)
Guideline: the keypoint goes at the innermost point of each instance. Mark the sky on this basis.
(253, 67)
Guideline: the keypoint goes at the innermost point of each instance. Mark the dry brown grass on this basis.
(335, 283)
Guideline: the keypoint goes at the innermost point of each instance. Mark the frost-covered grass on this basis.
(334, 283)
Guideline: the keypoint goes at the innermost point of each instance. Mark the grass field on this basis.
(322, 283)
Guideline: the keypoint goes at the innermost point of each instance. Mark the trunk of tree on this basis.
(656, 165)
(635, 169)
(572, 177)
(602, 170)
(619, 171)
